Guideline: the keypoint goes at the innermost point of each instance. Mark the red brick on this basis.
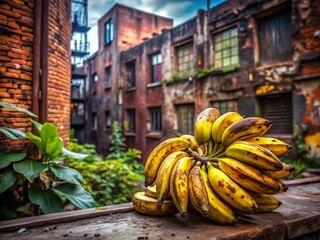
(9, 13)
(3, 17)
(4, 95)
(4, 47)
(5, 59)
(12, 65)
(14, 55)
(13, 25)
(12, 70)
(11, 75)
(25, 77)
(25, 87)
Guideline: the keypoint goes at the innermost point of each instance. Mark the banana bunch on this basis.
(226, 169)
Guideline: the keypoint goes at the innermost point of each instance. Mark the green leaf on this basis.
(67, 153)
(36, 140)
(6, 158)
(54, 148)
(36, 125)
(47, 134)
(68, 174)
(75, 194)
(12, 133)
(7, 179)
(48, 201)
(9, 105)
(30, 168)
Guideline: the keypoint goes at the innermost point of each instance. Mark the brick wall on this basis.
(59, 66)
(17, 21)
(16, 55)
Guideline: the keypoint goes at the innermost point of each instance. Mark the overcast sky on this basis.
(179, 10)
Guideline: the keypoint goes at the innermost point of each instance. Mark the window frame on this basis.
(274, 12)
(132, 74)
(187, 107)
(155, 119)
(231, 46)
(154, 67)
(108, 32)
(94, 124)
(108, 122)
(190, 70)
(234, 107)
(108, 76)
(131, 119)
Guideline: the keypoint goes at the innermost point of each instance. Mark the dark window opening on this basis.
(185, 118)
(155, 119)
(156, 63)
(131, 74)
(131, 120)
(108, 32)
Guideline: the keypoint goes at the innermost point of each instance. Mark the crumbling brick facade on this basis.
(255, 57)
(26, 63)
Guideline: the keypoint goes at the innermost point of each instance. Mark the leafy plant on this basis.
(115, 179)
(300, 157)
(41, 182)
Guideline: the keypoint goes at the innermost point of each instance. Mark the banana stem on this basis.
(196, 156)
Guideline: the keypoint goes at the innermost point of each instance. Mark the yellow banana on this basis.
(249, 177)
(163, 177)
(234, 195)
(203, 124)
(222, 123)
(245, 128)
(179, 184)
(151, 191)
(218, 210)
(147, 205)
(254, 155)
(194, 145)
(274, 145)
(266, 202)
(197, 190)
(159, 153)
(284, 172)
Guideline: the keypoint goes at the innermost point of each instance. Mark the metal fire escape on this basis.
(79, 52)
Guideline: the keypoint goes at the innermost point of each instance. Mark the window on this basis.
(94, 80)
(185, 118)
(77, 88)
(77, 109)
(108, 119)
(226, 106)
(274, 37)
(94, 123)
(108, 76)
(278, 109)
(185, 59)
(155, 119)
(131, 74)
(156, 63)
(108, 32)
(226, 51)
(131, 119)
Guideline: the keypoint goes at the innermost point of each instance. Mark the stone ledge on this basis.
(297, 217)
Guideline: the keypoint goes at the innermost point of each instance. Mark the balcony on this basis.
(79, 49)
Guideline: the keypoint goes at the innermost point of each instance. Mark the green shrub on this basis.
(112, 180)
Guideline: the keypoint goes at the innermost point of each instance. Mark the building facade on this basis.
(35, 65)
(260, 58)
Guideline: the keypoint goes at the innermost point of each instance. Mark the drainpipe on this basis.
(43, 117)
(40, 61)
(36, 58)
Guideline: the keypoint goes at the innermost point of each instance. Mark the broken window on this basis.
(226, 106)
(155, 119)
(277, 108)
(185, 118)
(108, 32)
(185, 59)
(108, 76)
(131, 119)
(274, 37)
(226, 52)
(131, 74)
(108, 119)
(156, 63)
